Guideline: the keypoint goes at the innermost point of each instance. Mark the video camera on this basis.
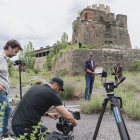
(64, 126)
(20, 63)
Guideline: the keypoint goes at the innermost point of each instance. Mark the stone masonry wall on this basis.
(64, 62)
(39, 61)
(73, 61)
(95, 27)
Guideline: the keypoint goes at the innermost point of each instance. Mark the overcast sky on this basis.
(43, 21)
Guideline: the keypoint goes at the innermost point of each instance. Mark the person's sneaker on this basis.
(7, 134)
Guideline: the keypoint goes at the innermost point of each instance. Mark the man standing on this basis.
(80, 44)
(89, 75)
(117, 71)
(11, 49)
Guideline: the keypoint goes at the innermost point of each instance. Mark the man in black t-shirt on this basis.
(35, 103)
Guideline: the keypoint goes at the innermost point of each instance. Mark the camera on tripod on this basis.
(20, 63)
(64, 126)
(109, 86)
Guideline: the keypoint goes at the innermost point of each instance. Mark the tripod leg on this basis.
(100, 118)
(14, 111)
(120, 123)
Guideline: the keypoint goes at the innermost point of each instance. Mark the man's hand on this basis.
(74, 123)
(94, 73)
(53, 115)
(1, 88)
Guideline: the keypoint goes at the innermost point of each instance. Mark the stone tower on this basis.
(97, 26)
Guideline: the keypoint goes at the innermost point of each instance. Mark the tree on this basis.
(55, 50)
(10, 67)
(79, 12)
(28, 55)
(64, 37)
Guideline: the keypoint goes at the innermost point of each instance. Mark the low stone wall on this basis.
(64, 62)
(73, 61)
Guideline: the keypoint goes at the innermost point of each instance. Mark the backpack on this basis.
(58, 136)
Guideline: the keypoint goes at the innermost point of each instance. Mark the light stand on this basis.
(19, 63)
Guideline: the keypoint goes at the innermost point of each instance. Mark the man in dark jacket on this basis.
(117, 71)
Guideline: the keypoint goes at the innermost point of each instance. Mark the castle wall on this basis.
(100, 8)
(73, 61)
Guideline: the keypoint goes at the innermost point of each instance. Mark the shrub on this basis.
(135, 65)
(36, 71)
(46, 64)
(2, 112)
(69, 90)
(79, 12)
(35, 81)
(101, 47)
(32, 135)
(74, 26)
(102, 18)
(127, 87)
(38, 68)
(132, 107)
(107, 42)
(95, 104)
(11, 69)
(63, 72)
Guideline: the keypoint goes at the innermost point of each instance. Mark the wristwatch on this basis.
(46, 114)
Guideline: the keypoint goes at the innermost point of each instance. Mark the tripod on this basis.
(109, 86)
(19, 63)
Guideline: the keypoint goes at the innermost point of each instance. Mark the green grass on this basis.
(94, 105)
(69, 91)
(132, 107)
(96, 84)
(12, 86)
(127, 86)
(137, 78)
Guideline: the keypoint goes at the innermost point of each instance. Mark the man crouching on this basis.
(35, 103)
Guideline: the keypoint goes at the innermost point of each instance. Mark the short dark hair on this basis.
(13, 43)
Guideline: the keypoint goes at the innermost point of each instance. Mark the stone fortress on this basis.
(97, 26)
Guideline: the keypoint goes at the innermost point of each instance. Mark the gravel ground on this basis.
(86, 126)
